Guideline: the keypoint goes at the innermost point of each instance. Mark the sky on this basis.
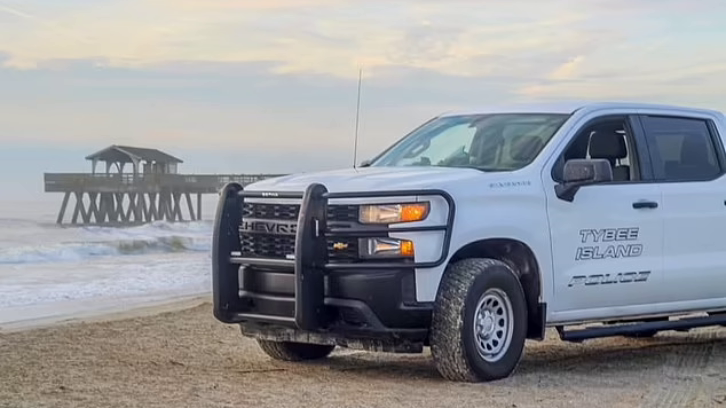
(252, 86)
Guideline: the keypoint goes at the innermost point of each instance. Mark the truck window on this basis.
(454, 140)
(682, 149)
(608, 139)
(489, 142)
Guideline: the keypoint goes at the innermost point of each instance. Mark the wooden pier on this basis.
(151, 191)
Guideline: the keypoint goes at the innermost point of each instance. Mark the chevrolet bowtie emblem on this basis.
(340, 246)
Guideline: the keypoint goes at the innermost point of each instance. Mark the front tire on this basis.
(479, 322)
(289, 351)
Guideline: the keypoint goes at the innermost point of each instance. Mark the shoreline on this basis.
(95, 311)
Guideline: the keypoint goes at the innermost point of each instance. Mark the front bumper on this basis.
(310, 294)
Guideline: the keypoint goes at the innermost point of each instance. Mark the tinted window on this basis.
(682, 149)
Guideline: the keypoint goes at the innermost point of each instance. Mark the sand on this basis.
(177, 355)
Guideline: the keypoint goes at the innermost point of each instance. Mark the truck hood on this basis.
(373, 179)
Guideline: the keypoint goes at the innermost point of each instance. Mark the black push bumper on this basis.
(311, 294)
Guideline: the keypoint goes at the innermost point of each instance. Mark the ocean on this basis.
(48, 270)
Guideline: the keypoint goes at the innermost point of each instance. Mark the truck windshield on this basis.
(490, 142)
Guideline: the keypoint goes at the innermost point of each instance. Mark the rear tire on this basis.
(479, 322)
(289, 351)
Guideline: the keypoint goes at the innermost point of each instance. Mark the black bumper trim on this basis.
(261, 261)
(373, 327)
(311, 264)
(264, 318)
(253, 295)
(386, 298)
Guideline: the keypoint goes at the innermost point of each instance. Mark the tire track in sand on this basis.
(688, 380)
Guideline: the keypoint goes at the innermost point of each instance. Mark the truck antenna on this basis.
(357, 117)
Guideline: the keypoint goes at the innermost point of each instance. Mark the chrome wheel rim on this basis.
(493, 325)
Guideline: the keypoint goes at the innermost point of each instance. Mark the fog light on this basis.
(385, 248)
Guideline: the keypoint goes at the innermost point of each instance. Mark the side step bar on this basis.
(684, 324)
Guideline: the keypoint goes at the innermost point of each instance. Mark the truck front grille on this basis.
(290, 212)
(277, 246)
(267, 246)
(282, 212)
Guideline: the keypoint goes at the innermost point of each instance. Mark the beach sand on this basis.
(175, 354)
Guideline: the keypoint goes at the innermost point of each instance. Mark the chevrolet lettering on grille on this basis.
(269, 227)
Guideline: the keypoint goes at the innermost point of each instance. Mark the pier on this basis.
(151, 190)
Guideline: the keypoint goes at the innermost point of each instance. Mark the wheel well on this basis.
(522, 260)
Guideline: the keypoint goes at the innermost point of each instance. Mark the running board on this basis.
(684, 324)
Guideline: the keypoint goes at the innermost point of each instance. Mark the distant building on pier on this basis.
(151, 190)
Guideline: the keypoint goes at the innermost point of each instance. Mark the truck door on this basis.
(607, 243)
(688, 161)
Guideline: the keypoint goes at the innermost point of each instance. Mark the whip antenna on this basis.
(357, 118)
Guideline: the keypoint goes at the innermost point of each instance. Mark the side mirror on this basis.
(365, 163)
(582, 172)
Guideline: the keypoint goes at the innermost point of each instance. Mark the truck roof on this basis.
(571, 107)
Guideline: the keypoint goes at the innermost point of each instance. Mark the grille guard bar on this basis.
(310, 263)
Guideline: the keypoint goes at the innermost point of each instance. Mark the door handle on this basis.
(645, 204)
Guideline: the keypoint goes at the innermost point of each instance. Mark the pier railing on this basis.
(101, 182)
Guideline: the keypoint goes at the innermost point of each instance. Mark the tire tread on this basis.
(447, 346)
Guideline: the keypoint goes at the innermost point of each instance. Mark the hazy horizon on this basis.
(270, 86)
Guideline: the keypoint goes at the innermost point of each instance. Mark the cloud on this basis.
(311, 36)
(526, 38)
(229, 107)
(234, 74)
(238, 107)
(568, 70)
(18, 13)
(227, 5)
(270, 85)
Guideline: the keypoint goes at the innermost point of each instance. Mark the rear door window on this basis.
(682, 149)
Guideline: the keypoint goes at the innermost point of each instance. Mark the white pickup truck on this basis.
(481, 229)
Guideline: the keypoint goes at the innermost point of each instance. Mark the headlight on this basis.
(392, 213)
(385, 248)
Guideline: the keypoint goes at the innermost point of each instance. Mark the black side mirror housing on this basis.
(582, 172)
(365, 163)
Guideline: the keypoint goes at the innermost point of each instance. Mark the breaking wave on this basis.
(91, 242)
